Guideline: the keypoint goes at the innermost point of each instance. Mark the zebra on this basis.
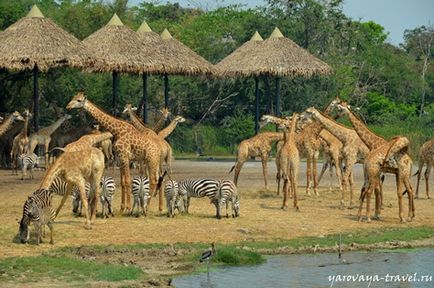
(227, 192)
(198, 188)
(28, 161)
(173, 198)
(37, 209)
(141, 195)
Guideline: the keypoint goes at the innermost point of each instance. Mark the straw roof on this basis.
(36, 40)
(116, 47)
(151, 43)
(276, 56)
(179, 59)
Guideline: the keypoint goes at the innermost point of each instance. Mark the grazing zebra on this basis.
(37, 209)
(141, 195)
(227, 192)
(198, 188)
(27, 161)
(172, 198)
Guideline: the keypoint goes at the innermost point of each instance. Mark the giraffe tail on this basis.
(161, 179)
(232, 169)
(55, 148)
(417, 172)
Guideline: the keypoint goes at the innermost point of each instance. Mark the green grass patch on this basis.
(30, 269)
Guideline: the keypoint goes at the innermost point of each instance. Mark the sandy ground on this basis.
(261, 216)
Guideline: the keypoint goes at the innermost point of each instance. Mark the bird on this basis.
(207, 256)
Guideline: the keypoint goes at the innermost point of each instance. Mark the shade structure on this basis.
(36, 43)
(117, 49)
(277, 56)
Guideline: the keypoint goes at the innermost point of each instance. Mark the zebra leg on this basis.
(50, 226)
(65, 196)
(38, 233)
(217, 207)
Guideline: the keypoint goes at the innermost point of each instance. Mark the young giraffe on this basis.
(43, 137)
(374, 167)
(289, 160)
(9, 122)
(77, 168)
(353, 151)
(130, 144)
(169, 129)
(21, 142)
(258, 145)
(84, 143)
(426, 156)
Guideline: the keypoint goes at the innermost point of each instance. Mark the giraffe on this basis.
(43, 137)
(401, 168)
(9, 122)
(21, 142)
(77, 168)
(137, 122)
(164, 133)
(130, 144)
(258, 145)
(85, 142)
(165, 113)
(390, 157)
(289, 160)
(426, 156)
(332, 149)
(353, 151)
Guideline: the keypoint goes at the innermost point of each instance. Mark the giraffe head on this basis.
(166, 113)
(27, 114)
(77, 102)
(307, 117)
(265, 119)
(16, 116)
(343, 108)
(179, 119)
(128, 107)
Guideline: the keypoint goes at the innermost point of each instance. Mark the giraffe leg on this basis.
(238, 166)
(409, 189)
(126, 185)
(315, 171)
(265, 170)
(323, 169)
(399, 194)
(285, 193)
(427, 172)
(308, 174)
(294, 174)
(419, 174)
(81, 187)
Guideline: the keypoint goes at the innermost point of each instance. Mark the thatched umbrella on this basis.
(117, 49)
(277, 56)
(36, 43)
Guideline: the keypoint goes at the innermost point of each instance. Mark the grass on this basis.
(65, 269)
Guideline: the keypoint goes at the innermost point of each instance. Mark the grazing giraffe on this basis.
(77, 168)
(169, 129)
(289, 160)
(9, 122)
(258, 145)
(353, 151)
(21, 142)
(84, 143)
(426, 156)
(401, 167)
(43, 137)
(130, 144)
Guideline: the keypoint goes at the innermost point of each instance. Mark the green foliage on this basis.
(230, 255)
(32, 269)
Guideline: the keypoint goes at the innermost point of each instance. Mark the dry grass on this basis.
(261, 217)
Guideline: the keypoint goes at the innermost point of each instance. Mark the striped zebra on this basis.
(173, 198)
(198, 188)
(227, 192)
(37, 209)
(141, 195)
(28, 161)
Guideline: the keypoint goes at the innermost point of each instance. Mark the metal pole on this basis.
(166, 91)
(145, 98)
(115, 91)
(35, 99)
(278, 97)
(256, 105)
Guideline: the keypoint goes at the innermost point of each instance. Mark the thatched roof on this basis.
(36, 40)
(151, 43)
(116, 47)
(179, 59)
(276, 56)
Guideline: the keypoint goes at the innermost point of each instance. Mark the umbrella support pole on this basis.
(256, 105)
(145, 98)
(278, 79)
(115, 91)
(35, 98)
(166, 91)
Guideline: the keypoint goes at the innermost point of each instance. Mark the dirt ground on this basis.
(261, 216)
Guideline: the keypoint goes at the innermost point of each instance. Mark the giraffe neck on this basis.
(272, 137)
(51, 174)
(291, 136)
(168, 130)
(338, 130)
(25, 128)
(47, 131)
(95, 139)
(137, 122)
(113, 125)
(6, 125)
(368, 137)
(160, 123)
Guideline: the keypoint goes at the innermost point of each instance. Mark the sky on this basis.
(394, 15)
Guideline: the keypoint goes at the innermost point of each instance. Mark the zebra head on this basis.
(76, 202)
(25, 221)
